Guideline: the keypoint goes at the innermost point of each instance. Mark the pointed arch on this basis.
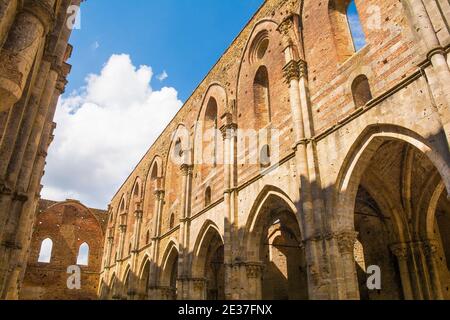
(169, 266)
(359, 156)
(207, 232)
(45, 253)
(83, 255)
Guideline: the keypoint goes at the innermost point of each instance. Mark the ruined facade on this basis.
(33, 53)
(66, 234)
(329, 159)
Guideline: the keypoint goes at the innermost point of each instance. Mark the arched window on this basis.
(83, 255)
(45, 254)
(261, 98)
(361, 91)
(347, 28)
(264, 156)
(172, 221)
(210, 136)
(356, 30)
(208, 196)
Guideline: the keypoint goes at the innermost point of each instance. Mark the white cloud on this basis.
(163, 76)
(104, 130)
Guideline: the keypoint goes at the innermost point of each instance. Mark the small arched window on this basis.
(83, 255)
(264, 156)
(208, 197)
(361, 91)
(261, 98)
(45, 254)
(210, 136)
(172, 221)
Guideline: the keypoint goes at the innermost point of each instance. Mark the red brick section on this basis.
(68, 224)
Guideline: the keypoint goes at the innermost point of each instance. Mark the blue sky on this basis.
(182, 37)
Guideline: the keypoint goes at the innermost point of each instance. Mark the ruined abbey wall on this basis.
(68, 225)
(297, 163)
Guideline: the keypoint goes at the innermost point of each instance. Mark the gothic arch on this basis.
(273, 239)
(208, 230)
(359, 157)
(169, 267)
(255, 213)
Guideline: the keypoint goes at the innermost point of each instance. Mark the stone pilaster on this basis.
(346, 241)
(21, 47)
(402, 252)
(8, 10)
(310, 201)
(228, 130)
(431, 253)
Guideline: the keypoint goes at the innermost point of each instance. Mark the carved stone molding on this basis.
(123, 228)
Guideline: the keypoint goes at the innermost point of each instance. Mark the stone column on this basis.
(422, 27)
(109, 246)
(183, 259)
(138, 213)
(123, 231)
(153, 281)
(346, 242)
(430, 249)
(402, 252)
(229, 135)
(254, 271)
(8, 10)
(309, 203)
(21, 47)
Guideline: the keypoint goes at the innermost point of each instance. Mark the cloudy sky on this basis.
(133, 66)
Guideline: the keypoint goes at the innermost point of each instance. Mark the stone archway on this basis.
(169, 274)
(393, 196)
(144, 280)
(274, 241)
(208, 265)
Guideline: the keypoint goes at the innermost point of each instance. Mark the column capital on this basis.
(400, 250)
(430, 247)
(346, 241)
(159, 193)
(123, 228)
(228, 130)
(138, 212)
(254, 269)
(295, 70)
(186, 169)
